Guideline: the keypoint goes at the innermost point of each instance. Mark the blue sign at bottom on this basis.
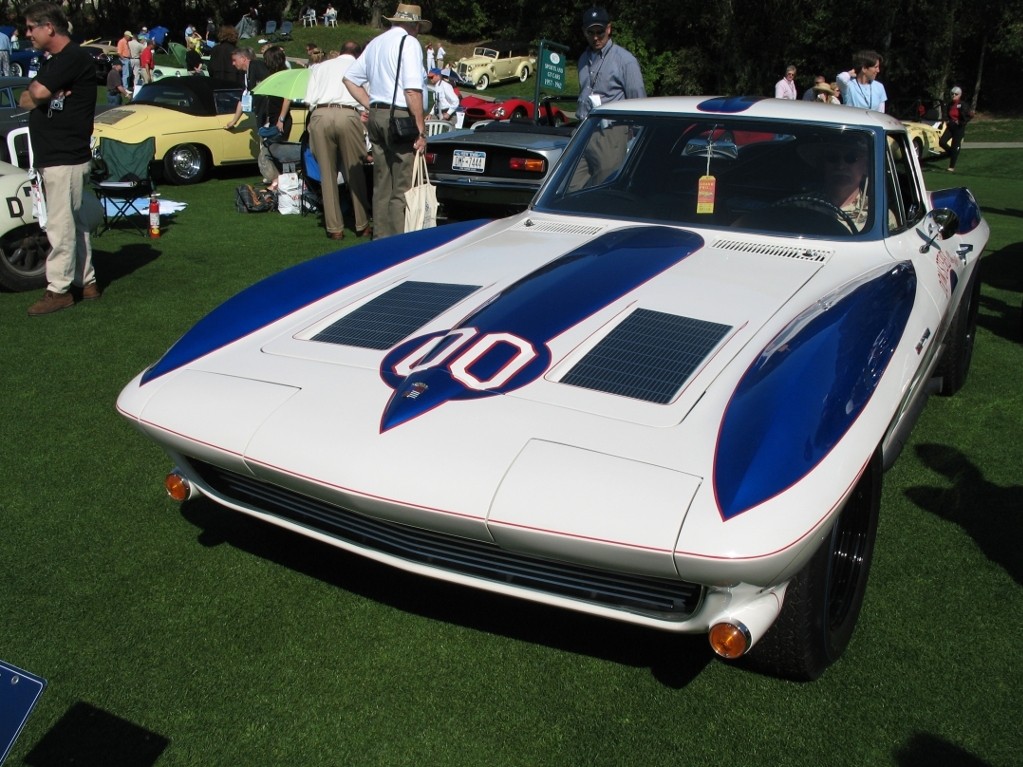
(19, 692)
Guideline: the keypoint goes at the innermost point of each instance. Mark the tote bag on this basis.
(421, 199)
(289, 194)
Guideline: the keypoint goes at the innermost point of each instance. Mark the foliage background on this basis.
(715, 46)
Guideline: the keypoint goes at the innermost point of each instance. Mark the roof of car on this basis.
(202, 90)
(758, 107)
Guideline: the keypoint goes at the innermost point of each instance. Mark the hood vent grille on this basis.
(647, 357)
(557, 227)
(394, 315)
(781, 251)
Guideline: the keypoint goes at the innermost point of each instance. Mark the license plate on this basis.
(470, 162)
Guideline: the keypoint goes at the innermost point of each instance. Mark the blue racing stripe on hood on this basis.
(285, 292)
(807, 388)
(503, 345)
(728, 104)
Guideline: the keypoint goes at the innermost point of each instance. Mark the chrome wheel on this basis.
(185, 164)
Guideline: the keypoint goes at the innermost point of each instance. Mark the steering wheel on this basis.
(821, 205)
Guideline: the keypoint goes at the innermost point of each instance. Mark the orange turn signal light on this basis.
(535, 165)
(177, 487)
(730, 640)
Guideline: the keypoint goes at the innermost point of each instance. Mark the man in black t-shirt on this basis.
(62, 104)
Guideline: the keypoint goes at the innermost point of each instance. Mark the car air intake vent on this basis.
(783, 251)
(394, 315)
(557, 227)
(647, 357)
(665, 599)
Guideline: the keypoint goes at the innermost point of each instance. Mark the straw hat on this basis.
(410, 14)
(824, 88)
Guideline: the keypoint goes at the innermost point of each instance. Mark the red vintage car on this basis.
(479, 108)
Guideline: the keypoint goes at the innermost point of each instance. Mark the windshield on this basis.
(799, 179)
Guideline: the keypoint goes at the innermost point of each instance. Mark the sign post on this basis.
(550, 75)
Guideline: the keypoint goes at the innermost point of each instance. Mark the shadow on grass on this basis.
(990, 514)
(674, 660)
(92, 737)
(115, 264)
(1002, 270)
(926, 750)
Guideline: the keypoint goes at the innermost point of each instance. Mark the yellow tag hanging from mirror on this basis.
(705, 192)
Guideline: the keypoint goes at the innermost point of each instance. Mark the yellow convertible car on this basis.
(925, 138)
(186, 116)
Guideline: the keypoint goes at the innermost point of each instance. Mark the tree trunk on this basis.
(980, 73)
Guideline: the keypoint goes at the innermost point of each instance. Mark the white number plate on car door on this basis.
(473, 162)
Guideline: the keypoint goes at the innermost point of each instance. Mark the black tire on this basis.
(955, 361)
(918, 147)
(16, 70)
(186, 164)
(823, 601)
(23, 254)
(482, 83)
(519, 113)
(523, 74)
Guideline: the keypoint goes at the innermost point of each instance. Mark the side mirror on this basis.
(947, 221)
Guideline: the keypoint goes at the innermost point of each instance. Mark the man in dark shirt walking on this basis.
(62, 104)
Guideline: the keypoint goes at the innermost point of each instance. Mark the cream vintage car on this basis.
(495, 62)
(925, 137)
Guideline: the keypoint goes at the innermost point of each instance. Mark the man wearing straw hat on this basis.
(383, 85)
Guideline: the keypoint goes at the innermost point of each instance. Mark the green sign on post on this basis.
(550, 74)
(552, 69)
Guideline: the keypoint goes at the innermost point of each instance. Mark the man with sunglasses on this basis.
(607, 73)
(62, 104)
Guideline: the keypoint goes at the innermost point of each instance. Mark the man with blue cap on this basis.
(445, 100)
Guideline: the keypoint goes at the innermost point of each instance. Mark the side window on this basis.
(904, 196)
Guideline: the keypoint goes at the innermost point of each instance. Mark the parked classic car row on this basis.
(665, 393)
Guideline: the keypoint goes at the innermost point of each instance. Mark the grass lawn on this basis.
(185, 635)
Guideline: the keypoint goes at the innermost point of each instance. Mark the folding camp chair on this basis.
(121, 178)
(285, 31)
(270, 32)
(179, 52)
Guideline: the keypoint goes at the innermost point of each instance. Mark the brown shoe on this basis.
(367, 232)
(91, 292)
(336, 235)
(50, 303)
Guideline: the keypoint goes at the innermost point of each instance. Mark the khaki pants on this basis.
(338, 133)
(602, 156)
(70, 259)
(392, 174)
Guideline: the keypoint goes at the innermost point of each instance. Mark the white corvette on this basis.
(664, 394)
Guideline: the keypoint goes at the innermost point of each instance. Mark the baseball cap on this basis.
(436, 71)
(593, 17)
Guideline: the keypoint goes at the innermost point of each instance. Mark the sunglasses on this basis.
(848, 158)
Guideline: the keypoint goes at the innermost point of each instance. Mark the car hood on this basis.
(413, 379)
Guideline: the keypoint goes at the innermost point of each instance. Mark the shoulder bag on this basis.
(401, 130)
